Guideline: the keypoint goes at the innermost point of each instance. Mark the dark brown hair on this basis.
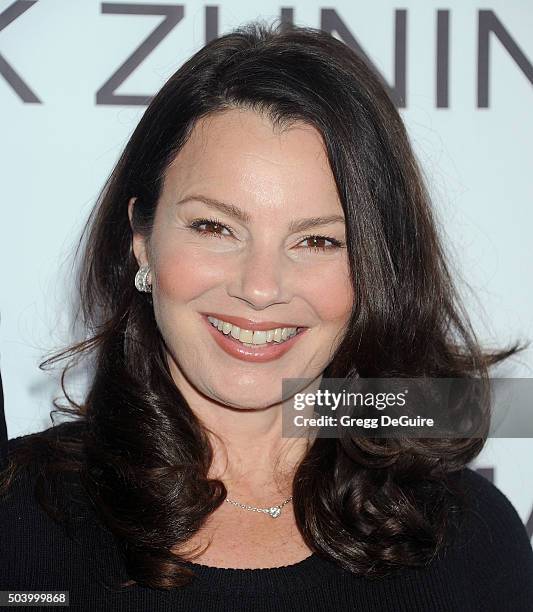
(368, 505)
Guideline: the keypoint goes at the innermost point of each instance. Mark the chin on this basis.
(256, 401)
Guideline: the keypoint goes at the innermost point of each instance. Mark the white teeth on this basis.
(246, 335)
(251, 338)
(260, 337)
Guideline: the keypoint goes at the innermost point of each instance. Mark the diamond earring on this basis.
(141, 280)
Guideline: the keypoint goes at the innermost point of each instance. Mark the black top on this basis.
(489, 567)
(3, 428)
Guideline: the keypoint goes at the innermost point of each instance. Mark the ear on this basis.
(138, 243)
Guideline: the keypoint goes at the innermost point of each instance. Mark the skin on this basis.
(258, 270)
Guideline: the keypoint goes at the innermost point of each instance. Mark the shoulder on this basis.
(490, 511)
(43, 439)
(63, 430)
(41, 548)
(494, 546)
(27, 459)
(31, 455)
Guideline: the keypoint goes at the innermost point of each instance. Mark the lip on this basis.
(271, 351)
(251, 325)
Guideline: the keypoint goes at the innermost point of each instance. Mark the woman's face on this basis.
(251, 260)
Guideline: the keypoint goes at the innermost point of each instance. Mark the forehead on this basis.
(238, 155)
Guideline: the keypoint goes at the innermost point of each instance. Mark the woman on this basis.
(266, 221)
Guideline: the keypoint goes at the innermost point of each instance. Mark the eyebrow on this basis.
(296, 225)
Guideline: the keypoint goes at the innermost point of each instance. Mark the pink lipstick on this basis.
(257, 353)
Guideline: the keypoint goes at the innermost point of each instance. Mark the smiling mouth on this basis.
(259, 352)
(257, 338)
(299, 330)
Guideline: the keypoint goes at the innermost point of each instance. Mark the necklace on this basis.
(273, 511)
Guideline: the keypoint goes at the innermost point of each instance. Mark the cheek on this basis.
(182, 274)
(331, 295)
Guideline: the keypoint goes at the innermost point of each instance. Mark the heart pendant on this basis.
(275, 511)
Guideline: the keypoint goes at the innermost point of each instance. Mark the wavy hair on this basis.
(369, 505)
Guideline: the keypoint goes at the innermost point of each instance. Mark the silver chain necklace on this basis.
(273, 511)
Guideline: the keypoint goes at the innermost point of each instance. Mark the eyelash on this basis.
(194, 225)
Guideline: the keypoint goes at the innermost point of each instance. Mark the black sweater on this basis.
(489, 567)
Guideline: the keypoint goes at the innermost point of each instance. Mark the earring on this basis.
(141, 280)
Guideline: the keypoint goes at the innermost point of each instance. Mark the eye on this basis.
(315, 240)
(214, 224)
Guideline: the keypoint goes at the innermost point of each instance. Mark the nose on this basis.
(261, 278)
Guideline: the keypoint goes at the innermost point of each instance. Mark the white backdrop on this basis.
(58, 142)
